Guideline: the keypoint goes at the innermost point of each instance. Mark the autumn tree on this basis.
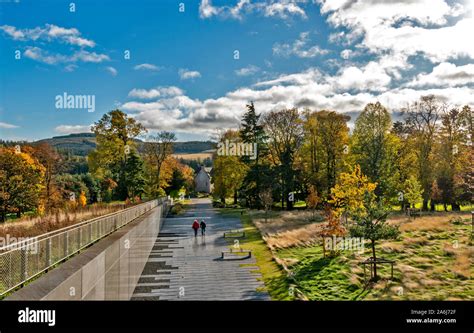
(325, 148)
(82, 199)
(285, 136)
(266, 197)
(182, 178)
(51, 160)
(115, 135)
(406, 158)
(332, 229)
(349, 193)
(421, 118)
(413, 191)
(454, 157)
(21, 182)
(158, 148)
(312, 200)
(375, 149)
(228, 171)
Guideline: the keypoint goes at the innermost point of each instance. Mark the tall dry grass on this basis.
(288, 228)
(34, 226)
(302, 236)
(435, 222)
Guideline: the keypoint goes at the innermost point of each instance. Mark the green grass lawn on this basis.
(297, 204)
(426, 269)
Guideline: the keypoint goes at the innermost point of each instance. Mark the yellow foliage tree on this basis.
(348, 194)
(82, 199)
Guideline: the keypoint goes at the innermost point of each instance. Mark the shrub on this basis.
(218, 204)
(177, 209)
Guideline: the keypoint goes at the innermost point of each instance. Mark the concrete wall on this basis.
(108, 270)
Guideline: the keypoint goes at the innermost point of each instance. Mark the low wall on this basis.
(108, 270)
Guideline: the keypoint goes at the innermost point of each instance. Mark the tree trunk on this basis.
(257, 183)
(455, 207)
(375, 260)
(425, 205)
(283, 199)
(235, 197)
(433, 206)
(324, 248)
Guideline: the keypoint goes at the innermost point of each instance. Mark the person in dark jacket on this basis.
(195, 227)
(203, 227)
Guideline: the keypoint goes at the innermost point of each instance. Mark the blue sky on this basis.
(183, 76)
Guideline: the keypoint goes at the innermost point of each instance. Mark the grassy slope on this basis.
(428, 267)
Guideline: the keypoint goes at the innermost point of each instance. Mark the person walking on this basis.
(195, 227)
(203, 227)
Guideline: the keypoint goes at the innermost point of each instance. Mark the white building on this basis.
(202, 180)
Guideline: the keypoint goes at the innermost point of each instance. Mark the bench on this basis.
(236, 254)
(415, 212)
(370, 261)
(234, 234)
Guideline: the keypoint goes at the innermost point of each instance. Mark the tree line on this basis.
(425, 158)
(37, 178)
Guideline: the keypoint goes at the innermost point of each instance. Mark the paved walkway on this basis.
(184, 267)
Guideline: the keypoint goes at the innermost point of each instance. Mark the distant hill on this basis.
(75, 144)
(81, 144)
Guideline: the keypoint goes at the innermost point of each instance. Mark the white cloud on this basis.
(270, 8)
(156, 92)
(435, 28)
(299, 48)
(70, 68)
(49, 32)
(445, 74)
(87, 56)
(371, 77)
(207, 10)
(112, 71)
(13, 32)
(7, 125)
(185, 74)
(247, 71)
(283, 9)
(312, 75)
(147, 67)
(346, 54)
(41, 55)
(72, 129)
(348, 91)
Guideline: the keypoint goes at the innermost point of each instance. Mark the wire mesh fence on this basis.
(23, 260)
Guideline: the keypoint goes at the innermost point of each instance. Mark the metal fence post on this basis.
(66, 242)
(48, 252)
(24, 264)
(79, 238)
